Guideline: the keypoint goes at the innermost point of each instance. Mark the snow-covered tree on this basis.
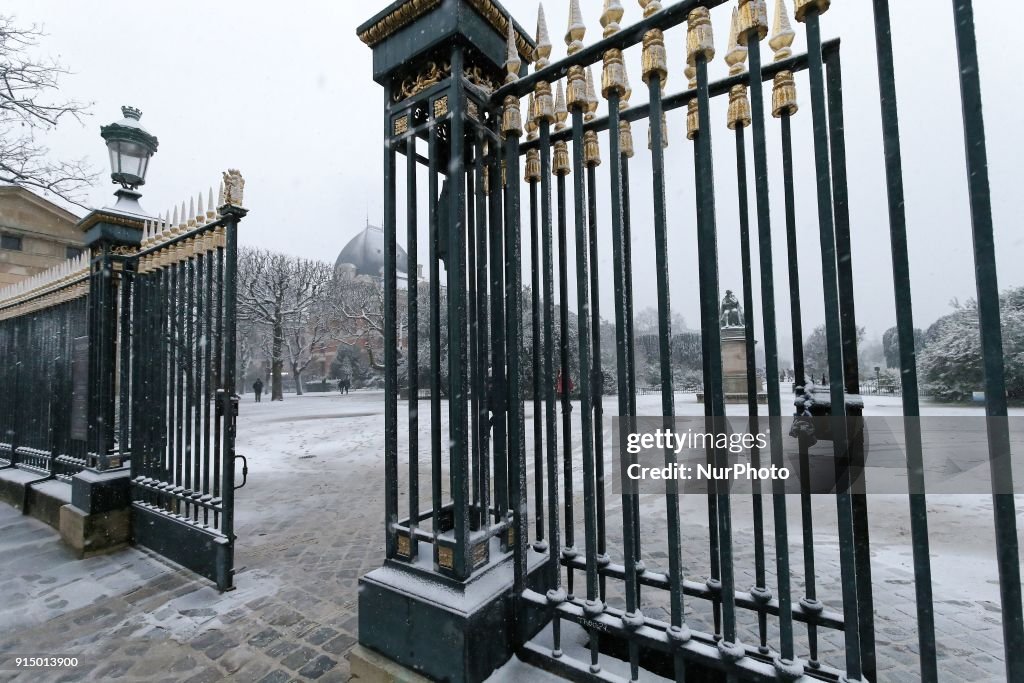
(951, 365)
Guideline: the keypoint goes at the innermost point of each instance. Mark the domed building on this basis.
(364, 255)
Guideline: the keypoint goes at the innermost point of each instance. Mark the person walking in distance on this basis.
(257, 388)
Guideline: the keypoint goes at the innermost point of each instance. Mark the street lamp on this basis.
(130, 147)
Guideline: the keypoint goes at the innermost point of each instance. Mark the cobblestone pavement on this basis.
(308, 526)
(309, 522)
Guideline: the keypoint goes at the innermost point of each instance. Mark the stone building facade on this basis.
(35, 234)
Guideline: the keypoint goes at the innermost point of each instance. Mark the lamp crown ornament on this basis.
(131, 112)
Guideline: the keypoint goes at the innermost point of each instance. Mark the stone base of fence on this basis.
(97, 518)
(94, 534)
(366, 665)
(444, 630)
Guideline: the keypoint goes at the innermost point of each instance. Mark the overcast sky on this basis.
(283, 92)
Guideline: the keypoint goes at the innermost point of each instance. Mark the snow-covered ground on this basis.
(338, 442)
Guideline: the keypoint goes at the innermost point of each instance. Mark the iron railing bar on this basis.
(707, 239)
(905, 334)
(760, 589)
(1004, 506)
(786, 650)
(539, 544)
(564, 380)
(495, 396)
(840, 440)
(476, 222)
(390, 343)
(514, 309)
(668, 408)
(598, 374)
(433, 209)
(413, 359)
(585, 374)
(851, 366)
(556, 593)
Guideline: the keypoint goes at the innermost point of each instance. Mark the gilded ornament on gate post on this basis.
(784, 86)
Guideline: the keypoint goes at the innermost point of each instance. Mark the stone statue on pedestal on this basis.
(731, 315)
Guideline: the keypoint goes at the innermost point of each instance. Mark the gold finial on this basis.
(211, 210)
(783, 85)
(625, 128)
(512, 61)
(737, 53)
(650, 7)
(191, 222)
(543, 103)
(611, 16)
(626, 139)
(782, 32)
(543, 49)
(560, 159)
(576, 88)
(591, 149)
(531, 123)
(692, 115)
(700, 39)
(613, 76)
(591, 97)
(532, 166)
(511, 119)
(577, 29)
(200, 213)
(802, 7)
(654, 60)
(739, 107)
(561, 113)
(753, 14)
(784, 95)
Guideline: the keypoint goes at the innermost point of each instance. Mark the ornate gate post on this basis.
(450, 614)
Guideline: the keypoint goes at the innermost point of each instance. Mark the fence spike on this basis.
(174, 221)
(561, 113)
(783, 85)
(211, 208)
(577, 29)
(184, 218)
(592, 100)
(531, 122)
(543, 40)
(191, 215)
(610, 16)
(512, 61)
(737, 53)
(782, 32)
(200, 212)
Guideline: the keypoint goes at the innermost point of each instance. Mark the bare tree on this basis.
(26, 113)
(308, 329)
(277, 292)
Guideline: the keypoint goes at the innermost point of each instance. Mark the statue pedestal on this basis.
(734, 367)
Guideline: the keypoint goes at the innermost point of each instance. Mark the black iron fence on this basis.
(43, 333)
(589, 560)
(123, 360)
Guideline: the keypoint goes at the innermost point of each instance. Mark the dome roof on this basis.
(365, 251)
